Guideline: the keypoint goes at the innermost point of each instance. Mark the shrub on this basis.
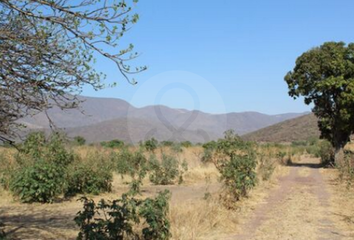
(118, 219)
(92, 176)
(41, 182)
(326, 152)
(236, 162)
(207, 156)
(167, 171)
(133, 164)
(186, 144)
(151, 145)
(166, 143)
(177, 148)
(42, 169)
(113, 144)
(79, 141)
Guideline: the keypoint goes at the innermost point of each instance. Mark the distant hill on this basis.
(107, 118)
(296, 129)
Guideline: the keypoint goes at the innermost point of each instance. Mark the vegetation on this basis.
(41, 170)
(48, 49)
(79, 141)
(236, 162)
(119, 219)
(116, 143)
(92, 176)
(324, 76)
(151, 145)
(167, 171)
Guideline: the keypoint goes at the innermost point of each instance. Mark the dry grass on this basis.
(201, 219)
(192, 217)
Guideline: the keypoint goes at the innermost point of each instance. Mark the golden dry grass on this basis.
(192, 217)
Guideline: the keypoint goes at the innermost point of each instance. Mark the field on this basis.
(299, 199)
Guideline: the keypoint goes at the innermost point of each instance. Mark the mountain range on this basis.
(103, 119)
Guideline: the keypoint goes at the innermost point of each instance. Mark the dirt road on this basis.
(301, 207)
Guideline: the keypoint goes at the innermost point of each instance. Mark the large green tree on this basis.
(48, 50)
(324, 76)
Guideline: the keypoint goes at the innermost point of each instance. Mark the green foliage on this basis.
(325, 152)
(117, 220)
(177, 148)
(151, 145)
(186, 144)
(133, 164)
(166, 143)
(324, 76)
(41, 172)
(166, 171)
(155, 212)
(79, 141)
(41, 182)
(113, 144)
(236, 162)
(207, 155)
(92, 176)
(210, 145)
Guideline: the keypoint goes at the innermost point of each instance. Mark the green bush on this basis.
(167, 171)
(177, 148)
(236, 162)
(151, 145)
(41, 182)
(326, 152)
(79, 141)
(42, 169)
(118, 219)
(113, 144)
(207, 155)
(129, 163)
(186, 144)
(92, 176)
(166, 143)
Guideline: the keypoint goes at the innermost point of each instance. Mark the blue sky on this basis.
(226, 55)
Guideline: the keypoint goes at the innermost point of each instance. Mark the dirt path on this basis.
(300, 208)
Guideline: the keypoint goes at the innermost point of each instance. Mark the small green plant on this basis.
(207, 155)
(116, 143)
(167, 171)
(79, 141)
(151, 145)
(117, 220)
(186, 144)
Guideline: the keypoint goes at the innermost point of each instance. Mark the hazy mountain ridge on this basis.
(297, 129)
(107, 118)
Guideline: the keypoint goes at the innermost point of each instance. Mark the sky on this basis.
(226, 55)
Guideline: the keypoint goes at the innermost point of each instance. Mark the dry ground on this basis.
(301, 202)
